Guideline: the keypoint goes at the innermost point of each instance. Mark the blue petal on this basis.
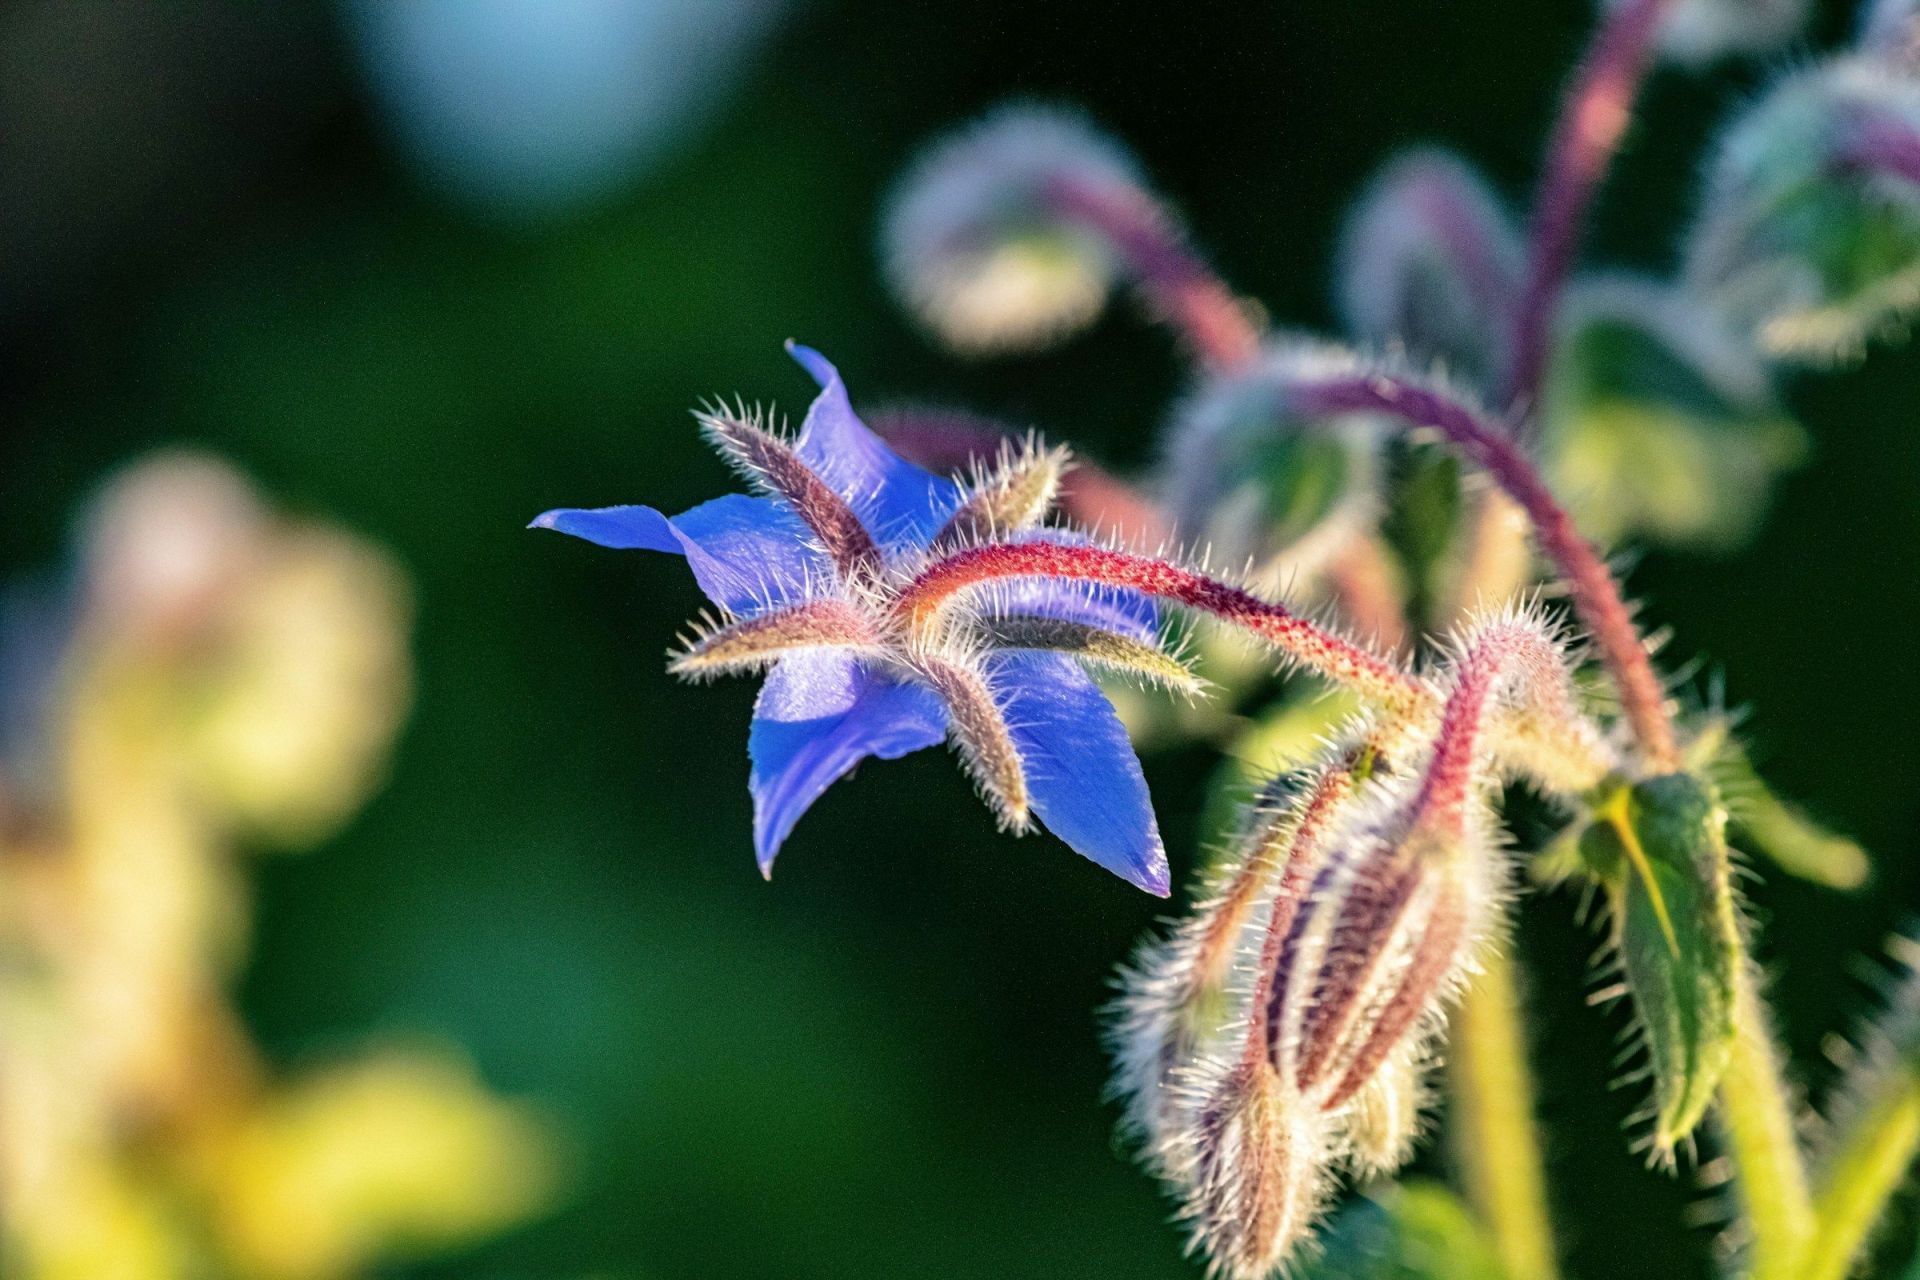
(901, 505)
(1084, 778)
(743, 551)
(821, 713)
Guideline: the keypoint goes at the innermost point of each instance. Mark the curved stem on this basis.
(1756, 1115)
(1593, 116)
(1338, 659)
(1596, 596)
(1496, 1143)
(1194, 300)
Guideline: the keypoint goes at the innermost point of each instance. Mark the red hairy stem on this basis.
(947, 441)
(1321, 651)
(1596, 596)
(1594, 114)
(1195, 300)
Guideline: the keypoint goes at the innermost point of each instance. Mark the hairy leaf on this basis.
(1660, 848)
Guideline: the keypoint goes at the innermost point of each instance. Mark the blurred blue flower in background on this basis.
(528, 109)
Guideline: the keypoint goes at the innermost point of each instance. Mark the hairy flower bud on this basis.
(1431, 259)
(975, 245)
(1186, 999)
(1809, 236)
(1260, 1176)
(1384, 1120)
(1265, 482)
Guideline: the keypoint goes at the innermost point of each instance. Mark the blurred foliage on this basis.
(884, 1063)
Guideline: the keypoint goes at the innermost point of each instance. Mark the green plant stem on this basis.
(1869, 1161)
(1756, 1116)
(1496, 1144)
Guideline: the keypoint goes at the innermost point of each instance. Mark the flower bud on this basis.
(1260, 481)
(1384, 1120)
(1431, 260)
(1261, 1175)
(167, 543)
(1809, 235)
(1658, 419)
(975, 245)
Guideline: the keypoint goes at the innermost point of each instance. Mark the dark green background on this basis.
(884, 1063)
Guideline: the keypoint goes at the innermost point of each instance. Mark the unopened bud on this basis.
(1261, 1175)
(1809, 236)
(1261, 481)
(975, 244)
(1431, 260)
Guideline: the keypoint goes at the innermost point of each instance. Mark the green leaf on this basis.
(1659, 421)
(1302, 476)
(1416, 1231)
(1660, 848)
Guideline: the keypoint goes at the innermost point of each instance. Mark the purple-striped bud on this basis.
(1261, 1174)
(1809, 236)
(1262, 481)
(1430, 259)
(975, 242)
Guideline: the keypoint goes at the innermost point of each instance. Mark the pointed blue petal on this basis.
(821, 713)
(1084, 778)
(901, 505)
(743, 551)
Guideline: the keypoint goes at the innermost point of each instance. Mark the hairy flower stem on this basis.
(1338, 659)
(1496, 1143)
(1593, 117)
(1596, 596)
(1756, 1117)
(1178, 283)
(1492, 1125)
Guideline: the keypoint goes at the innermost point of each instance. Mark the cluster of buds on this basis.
(1283, 1037)
(1284, 1032)
(209, 677)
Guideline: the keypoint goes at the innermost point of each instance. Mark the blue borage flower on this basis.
(804, 576)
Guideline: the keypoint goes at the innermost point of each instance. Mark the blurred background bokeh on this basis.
(420, 269)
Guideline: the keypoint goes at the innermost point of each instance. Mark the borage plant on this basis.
(945, 579)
